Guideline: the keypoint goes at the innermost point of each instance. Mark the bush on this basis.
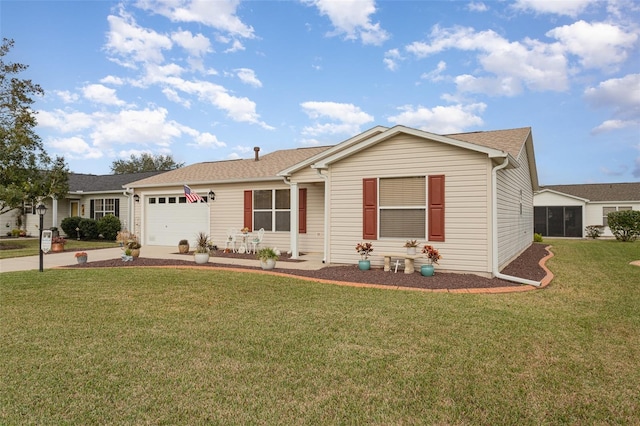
(625, 224)
(88, 229)
(69, 225)
(594, 231)
(537, 238)
(108, 227)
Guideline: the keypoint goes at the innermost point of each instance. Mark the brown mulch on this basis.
(525, 266)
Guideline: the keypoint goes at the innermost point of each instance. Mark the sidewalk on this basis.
(312, 261)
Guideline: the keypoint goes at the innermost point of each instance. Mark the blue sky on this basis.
(206, 80)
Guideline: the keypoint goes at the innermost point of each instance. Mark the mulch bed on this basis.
(525, 266)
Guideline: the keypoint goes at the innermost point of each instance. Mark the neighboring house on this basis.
(470, 195)
(566, 210)
(90, 196)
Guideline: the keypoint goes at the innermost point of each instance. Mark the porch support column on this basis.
(54, 212)
(295, 220)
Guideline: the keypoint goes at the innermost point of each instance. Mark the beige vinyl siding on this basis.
(515, 229)
(466, 200)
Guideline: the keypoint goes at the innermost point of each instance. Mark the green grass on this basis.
(171, 346)
(30, 246)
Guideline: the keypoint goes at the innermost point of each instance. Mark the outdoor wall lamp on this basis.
(212, 195)
(136, 198)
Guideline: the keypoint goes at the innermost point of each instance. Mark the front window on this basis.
(103, 207)
(403, 208)
(272, 210)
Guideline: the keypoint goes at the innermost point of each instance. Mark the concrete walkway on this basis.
(312, 261)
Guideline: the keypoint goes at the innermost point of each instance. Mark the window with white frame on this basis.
(607, 210)
(272, 210)
(403, 207)
(103, 207)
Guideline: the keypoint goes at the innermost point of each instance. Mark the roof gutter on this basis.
(494, 227)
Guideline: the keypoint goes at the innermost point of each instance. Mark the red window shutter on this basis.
(370, 209)
(248, 209)
(436, 208)
(302, 210)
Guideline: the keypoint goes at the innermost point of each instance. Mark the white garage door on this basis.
(169, 219)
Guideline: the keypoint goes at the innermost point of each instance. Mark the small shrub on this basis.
(69, 225)
(88, 229)
(625, 224)
(108, 227)
(594, 231)
(537, 238)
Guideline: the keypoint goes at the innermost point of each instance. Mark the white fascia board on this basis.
(333, 150)
(491, 153)
(210, 182)
(562, 194)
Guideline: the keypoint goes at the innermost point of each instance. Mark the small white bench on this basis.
(408, 261)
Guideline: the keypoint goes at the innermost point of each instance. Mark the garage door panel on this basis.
(169, 222)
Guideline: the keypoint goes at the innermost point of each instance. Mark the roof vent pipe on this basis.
(257, 150)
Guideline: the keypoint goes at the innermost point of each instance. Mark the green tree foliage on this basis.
(27, 173)
(625, 224)
(69, 225)
(144, 163)
(108, 227)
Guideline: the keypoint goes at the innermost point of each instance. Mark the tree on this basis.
(27, 173)
(624, 224)
(144, 163)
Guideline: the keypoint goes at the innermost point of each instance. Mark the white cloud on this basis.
(353, 19)
(440, 119)
(63, 121)
(477, 7)
(196, 45)
(567, 7)
(391, 59)
(620, 94)
(173, 96)
(236, 46)
(248, 76)
(207, 140)
(111, 79)
(599, 45)
(101, 94)
(66, 96)
(75, 148)
(132, 43)
(219, 14)
(529, 63)
(347, 118)
(436, 74)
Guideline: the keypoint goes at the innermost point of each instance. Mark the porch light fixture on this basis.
(212, 195)
(41, 209)
(136, 198)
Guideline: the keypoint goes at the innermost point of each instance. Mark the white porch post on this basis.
(54, 208)
(294, 215)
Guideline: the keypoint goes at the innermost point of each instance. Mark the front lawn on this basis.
(178, 346)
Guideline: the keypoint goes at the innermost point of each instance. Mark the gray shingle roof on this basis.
(600, 191)
(79, 182)
(510, 140)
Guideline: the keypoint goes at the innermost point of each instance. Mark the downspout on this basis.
(494, 226)
(325, 244)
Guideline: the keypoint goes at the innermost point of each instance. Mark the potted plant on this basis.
(411, 246)
(432, 257)
(364, 249)
(201, 254)
(126, 256)
(134, 246)
(57, 244)
(183, 246)
(268, 257)
(81, 256)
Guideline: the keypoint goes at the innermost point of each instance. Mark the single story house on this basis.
(566, 210)
(469, 194)
(90, 196)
